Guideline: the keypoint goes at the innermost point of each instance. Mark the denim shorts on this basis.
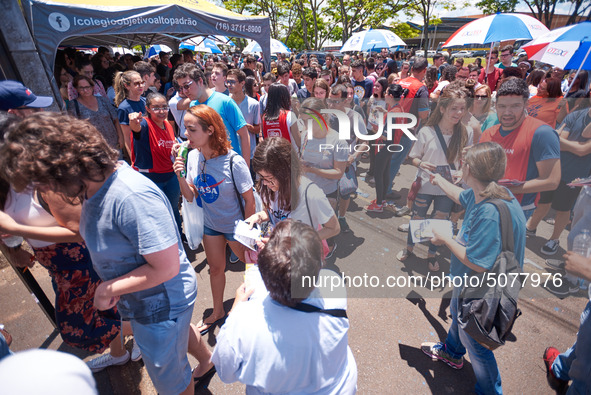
(211, 232)
(164, 347)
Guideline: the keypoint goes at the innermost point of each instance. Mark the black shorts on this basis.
(562, 199)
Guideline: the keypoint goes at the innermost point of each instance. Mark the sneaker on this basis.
(437, 352)
(402, 211)
(233, 257)
(136, 353)
(106, 360)
(556, 264)
(344, 225)
(549, 356)
(374, 207)
(403, 228)
(550, 248)
(332, 251)
(529, 232)
(370, 181)
(565, 289)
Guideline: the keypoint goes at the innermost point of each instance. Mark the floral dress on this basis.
(74, 281)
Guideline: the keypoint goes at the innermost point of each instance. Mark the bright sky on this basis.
(562, 8)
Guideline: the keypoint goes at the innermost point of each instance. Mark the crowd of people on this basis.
(517, 133)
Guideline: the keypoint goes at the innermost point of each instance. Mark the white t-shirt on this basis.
(320, 209)
(441, 85)
(24, 209)
(322, 154)
(178, 115)
(428, 149)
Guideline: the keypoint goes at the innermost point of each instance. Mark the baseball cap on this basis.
(14, 94)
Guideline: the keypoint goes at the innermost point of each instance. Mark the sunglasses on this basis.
(186, 87)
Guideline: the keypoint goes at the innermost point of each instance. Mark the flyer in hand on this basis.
(246, 236)
(422, 230)
(580, 182)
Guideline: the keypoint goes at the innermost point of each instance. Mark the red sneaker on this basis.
(376, 208)
(557, 384)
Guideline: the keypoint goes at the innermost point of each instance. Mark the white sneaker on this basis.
(106, 360)
(136, 353)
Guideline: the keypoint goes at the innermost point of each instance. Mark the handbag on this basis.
(193, 222)
(487, 313)
(348, 183)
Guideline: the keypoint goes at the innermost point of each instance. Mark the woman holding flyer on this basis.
(286, 194)
(476, 249)
(216, 176)
(438, 150)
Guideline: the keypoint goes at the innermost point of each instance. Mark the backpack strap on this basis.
(308, 206)
(235, 188)
(506, 224)
(308, 308)
(443, 144)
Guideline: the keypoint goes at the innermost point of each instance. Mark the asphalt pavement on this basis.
(388, 323)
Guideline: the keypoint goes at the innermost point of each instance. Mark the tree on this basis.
(356, 15)
(580, 7)
(543, 10)
(426, 9)
(490, 7)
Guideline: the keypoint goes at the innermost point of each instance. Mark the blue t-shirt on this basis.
(127, 218)
(363, 89)
(231, 115)
(127, 106)
(574, 166)
(481, 233)
(544, 145)
(250, 110)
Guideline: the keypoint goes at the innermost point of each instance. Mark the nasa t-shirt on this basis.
(217, 196)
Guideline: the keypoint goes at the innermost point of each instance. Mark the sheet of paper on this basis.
(422, 230)
(246, 236)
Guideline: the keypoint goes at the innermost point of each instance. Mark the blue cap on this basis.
(13, 94)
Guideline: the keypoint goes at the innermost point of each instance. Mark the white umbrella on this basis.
(371, 39)
(276, 47)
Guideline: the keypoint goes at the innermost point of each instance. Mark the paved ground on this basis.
(387, 324)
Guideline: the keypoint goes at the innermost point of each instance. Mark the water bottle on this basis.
(12, 241)
(582, 244)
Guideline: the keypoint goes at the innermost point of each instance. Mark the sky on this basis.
(563, 8)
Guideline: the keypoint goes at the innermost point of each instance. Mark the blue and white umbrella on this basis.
(201, 45)
(156, 49)
(276, 47)
(567, 47)
(371, 39)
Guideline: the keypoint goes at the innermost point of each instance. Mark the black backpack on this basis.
(487, 313)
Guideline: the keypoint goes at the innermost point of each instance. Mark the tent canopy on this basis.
(135, 22)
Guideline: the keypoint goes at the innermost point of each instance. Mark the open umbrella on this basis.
(567, 47)
(371, 39)
(497, 28)
(156, 49)
(276, 47)
(201, 45)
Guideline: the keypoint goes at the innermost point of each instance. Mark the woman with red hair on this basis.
(219, 178)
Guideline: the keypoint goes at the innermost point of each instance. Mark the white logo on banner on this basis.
(59, 21)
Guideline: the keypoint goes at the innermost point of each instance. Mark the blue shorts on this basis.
(211, 232)
(164, 347)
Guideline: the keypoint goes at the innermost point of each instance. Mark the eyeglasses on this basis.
(186, 87)
(160, 108)
(231, 82)
(84, 88)
(480, 97)
(335, 101)
(505, 55)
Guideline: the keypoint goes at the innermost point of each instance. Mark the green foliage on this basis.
(493, 6)
(403, 30)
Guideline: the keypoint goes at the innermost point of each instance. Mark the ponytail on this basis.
(495, 191)
(121, 80)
